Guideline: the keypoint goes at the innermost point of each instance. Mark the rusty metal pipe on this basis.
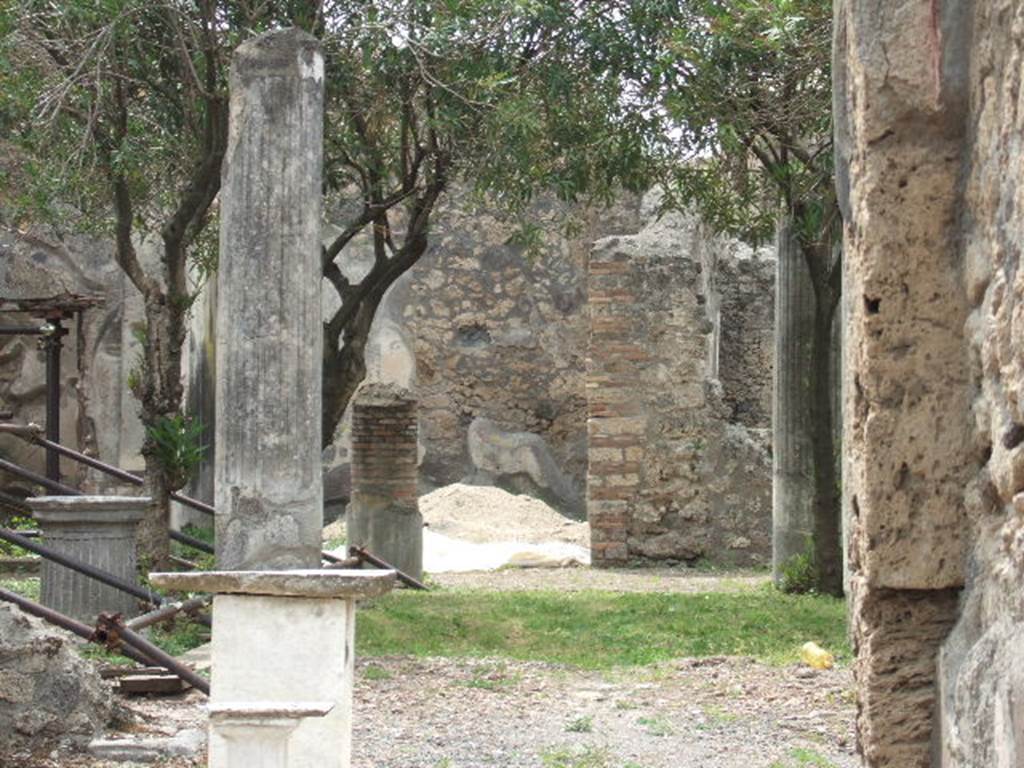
(31, 433)
(372, 559)
(184, 538)
(167, 612)
(52, 485)
(77, 565)
(112, 630)
(65, 622)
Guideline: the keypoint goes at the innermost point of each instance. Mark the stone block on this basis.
(98, 531)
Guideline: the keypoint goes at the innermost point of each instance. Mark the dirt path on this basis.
(610, 579)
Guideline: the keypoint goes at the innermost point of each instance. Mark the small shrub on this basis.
(584, 724)
(176, 443)
(799, 573)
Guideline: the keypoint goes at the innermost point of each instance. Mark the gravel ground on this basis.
(449, 713)
(463, 713)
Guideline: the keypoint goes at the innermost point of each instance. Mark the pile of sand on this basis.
(484, 514)
(478, 528)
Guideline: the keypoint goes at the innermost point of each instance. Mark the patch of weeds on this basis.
(717, 717)
(180, 635)
(444, 762)
(566, 757)
(25, 587)
(583, 724)
(17, 523)
(798, 574)
(804, 758)
(205, 560)
(336, 542)
(492, 678)
(100, 654)
(655, 725)
(376, 673)
(626, 704)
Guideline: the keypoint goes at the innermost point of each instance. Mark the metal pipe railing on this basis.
(66, 622)
(77, 565)
(111, 629)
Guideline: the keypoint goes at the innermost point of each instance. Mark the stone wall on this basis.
(98, 414)
(929, 166)
(670, 477)
(499, 332)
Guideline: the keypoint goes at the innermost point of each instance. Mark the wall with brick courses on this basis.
(384, 513)
(669, 477)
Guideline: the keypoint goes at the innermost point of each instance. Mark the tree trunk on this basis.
(345, 368)
(160, 395)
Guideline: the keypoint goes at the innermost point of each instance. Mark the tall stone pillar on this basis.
(384, 513)
(792, 431)
(901, 75)
(267, 465)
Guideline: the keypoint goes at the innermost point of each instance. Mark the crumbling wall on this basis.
(670, 478)
(928, 128)
(98, 414)
(499, 331)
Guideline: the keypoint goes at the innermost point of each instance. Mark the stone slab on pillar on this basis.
(99, 531)
(269, 333)
(281, 637)
(384, 512)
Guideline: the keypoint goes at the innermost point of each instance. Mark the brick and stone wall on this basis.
(930, 161)
(670, 477)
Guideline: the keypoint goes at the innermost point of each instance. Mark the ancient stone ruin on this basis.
(928, 122)
(672, 475)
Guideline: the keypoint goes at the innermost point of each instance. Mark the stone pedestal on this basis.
(256, 735)
(384, 513)
(99, 531)
(267, 472)
(283, 638)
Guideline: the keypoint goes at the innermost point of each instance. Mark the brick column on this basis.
(384, 513)
(615, 422)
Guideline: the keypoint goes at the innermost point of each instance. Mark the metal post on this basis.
(54, 330)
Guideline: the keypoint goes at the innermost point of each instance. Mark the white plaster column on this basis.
(281, 637)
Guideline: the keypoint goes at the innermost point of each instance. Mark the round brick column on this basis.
(384, 513)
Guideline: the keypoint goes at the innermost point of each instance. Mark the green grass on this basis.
(16, 523)
(376, 673)
(804, 758)
(656, 725)
(204, 560)
(27, 587)
(601, 630)
(565, 757)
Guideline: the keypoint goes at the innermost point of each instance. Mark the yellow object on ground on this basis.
(813, 655)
